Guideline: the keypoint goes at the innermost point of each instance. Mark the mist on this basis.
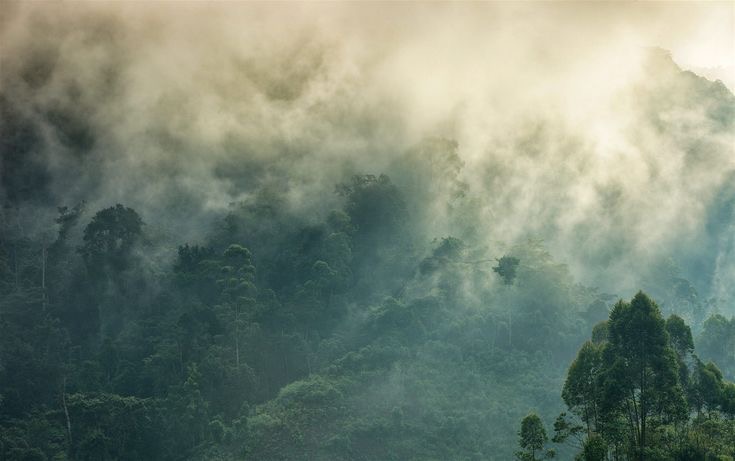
(182, 111)
(604, 132)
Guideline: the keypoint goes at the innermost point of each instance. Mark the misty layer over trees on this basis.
(301, 234)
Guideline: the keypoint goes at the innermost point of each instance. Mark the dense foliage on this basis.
(279, 340)
(641, 393)
(201, 260)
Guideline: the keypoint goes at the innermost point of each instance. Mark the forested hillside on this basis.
(221, 242)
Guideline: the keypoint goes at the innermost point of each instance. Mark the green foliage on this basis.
(640, 374)
(532, 438)
(567, 431)
(106, 427)
(377, 330)
(109, 239)
(680, 335)
(600, 332)
(376, 209)
(595, 448)
(628, 387)
(717, 343)
(506, 268)
(582, 392)
(351, 336)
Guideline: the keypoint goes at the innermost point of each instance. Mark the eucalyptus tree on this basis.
(532, 438)
(582, 391)
(639, 376)
(238, 290)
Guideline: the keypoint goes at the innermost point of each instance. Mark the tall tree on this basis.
(640, 373)
(238, 289)
(109, 238)
(581, 390)
(532, 438)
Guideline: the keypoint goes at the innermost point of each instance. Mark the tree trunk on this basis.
(43, 275)
(66, 411)
(237, 337)
(510, 329)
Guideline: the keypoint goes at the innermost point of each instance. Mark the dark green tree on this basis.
(581, 390)
(109, 239)
(717, 343)
(680, 335)
(506, 269)
(595, 448)
(640, 373)
(707, 387)
(238, 291)
(600, 332)
(532, 438)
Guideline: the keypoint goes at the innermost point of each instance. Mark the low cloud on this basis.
(569, 127)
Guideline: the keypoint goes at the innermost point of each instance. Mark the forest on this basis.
(246, 245)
